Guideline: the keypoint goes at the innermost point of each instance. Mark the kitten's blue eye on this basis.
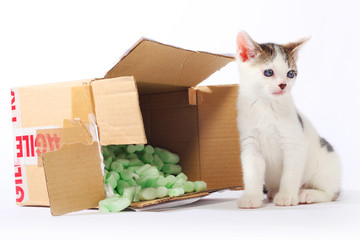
(291, 74)
(268, 72)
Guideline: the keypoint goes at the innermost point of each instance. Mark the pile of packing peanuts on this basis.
(136, 173)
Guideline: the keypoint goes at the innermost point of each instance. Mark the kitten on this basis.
(279, 146)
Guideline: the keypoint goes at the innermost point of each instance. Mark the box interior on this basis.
(198, 124)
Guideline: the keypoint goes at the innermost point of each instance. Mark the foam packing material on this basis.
(140, 173)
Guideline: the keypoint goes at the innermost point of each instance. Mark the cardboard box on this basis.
(149, 96)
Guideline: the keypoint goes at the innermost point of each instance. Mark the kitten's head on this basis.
(267, 69)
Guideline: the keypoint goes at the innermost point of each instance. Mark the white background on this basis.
(51, 41)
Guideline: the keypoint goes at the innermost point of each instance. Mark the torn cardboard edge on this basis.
(73, 174)
(180, 200)
(168, 204)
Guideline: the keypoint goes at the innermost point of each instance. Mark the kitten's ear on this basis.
(295, 46)
(246, 47)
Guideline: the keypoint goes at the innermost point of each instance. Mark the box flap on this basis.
(156, 63)
(74, 178)
(48, 140)
(218, 136)
(117, 111)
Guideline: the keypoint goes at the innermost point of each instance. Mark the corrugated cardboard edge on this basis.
(122, 124)
(143, 39)
(118, 70)
(218, 134)
(74, 178)
(142, 204)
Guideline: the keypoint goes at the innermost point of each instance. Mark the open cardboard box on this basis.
(149, 96)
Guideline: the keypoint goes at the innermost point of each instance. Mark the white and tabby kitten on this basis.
(279, 146)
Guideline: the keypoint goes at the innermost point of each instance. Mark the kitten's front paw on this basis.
(286, 199)
(305, 196)
(250, 201)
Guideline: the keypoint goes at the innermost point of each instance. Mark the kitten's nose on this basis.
(282, 85)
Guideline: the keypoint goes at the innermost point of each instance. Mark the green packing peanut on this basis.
(137, 172)
(158, 163)
(148, 194)
(166, 156)
(200, 186)
(114, 204)
(177, 191)
(189, 187)
(171, 168)
(148, 149)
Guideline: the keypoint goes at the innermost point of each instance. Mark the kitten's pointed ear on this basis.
(295, 46)
(246, 47)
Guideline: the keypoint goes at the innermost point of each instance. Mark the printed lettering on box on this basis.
(29, 147)
(47, 140)
(31, 143)
(21, 187)
(15, 108)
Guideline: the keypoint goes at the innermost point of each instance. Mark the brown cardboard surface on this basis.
(192, 96)
(219, 144)
(52, 139)
(142, 204)
(172, 123)
(76, 135)
(81, 103)
(158, 64)
(46, 105)
(38, 195)
(201, 130)
(146, 88)
(117, 111)
(74, 178)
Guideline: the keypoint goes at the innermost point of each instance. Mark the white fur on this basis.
(275, 150)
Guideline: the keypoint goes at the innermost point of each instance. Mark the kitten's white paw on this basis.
(286, 199)
(305, 197)
(250, 201)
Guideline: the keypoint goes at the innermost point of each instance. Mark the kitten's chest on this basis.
(268, 135)
(269, 142)
(263, 120)
(264, 124)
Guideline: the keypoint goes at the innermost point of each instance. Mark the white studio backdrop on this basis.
(51, 41)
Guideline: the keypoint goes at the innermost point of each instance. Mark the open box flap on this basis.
(117, 111)
(155, 63)
(74, 178)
